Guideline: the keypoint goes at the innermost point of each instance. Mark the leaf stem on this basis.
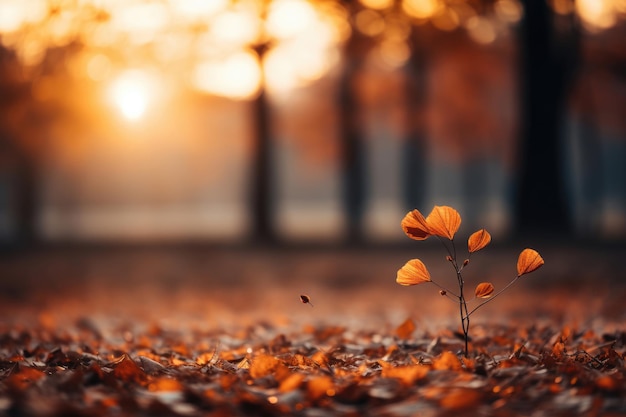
(494, 296)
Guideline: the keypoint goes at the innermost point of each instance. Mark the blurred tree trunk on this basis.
(261, 183)
(354, 175)
(548, 55)
(19, 155)
(414, 164)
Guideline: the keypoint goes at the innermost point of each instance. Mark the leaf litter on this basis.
(86, 370)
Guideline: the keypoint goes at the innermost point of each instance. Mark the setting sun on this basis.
(131, 92)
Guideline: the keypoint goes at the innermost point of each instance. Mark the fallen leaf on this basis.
(407, 374)
(263, 365)
(406, 329)
(447, 361)
(127, 370)
(460, 399)
(320, 386)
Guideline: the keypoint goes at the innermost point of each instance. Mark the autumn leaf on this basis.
(478, 240)
(443, 221)
(484, 290)
(528, 261)
(406, 329)
(263, 365)
(415, 226)
(407, 374)
(447, 361)
(412, 273)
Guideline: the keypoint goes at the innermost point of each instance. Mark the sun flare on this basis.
(131, 93)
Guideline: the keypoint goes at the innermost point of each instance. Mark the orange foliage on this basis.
(406, 329)
(447, 361)
(264, 365)
(320, 386)
(443, 221)
(415, 226)
(528, 261)
(478, 240)
(412, 273)
(127, 370)
(406, 374)
(484, 290)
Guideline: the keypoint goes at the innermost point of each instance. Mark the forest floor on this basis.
(185, 331)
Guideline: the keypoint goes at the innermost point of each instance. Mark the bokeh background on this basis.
(191, 126)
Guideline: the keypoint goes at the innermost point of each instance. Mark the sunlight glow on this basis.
(236, 76)
(141, 22)
(421, 9)
(287, 18)
(377, 4)
(98, 67)
(131, 93)
(509, 10)
(235, 28)
(597, 14)
(13, 14)
(369, 22)
(481, 30)
(198, 9)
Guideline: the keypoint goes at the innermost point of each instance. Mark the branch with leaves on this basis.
(443, 222)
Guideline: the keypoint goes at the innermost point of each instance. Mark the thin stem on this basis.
(494, 296)
(456, 297)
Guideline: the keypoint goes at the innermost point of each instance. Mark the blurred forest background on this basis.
(281, 121)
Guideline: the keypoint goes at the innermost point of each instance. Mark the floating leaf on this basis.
(478, 240)
(415, 226)
(412, 273)
(443, 221)
(528, 261)
(306, 300)
(484, 290)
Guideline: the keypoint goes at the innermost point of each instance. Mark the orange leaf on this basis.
(263, 365)
(414, 225)
(443, 221)
(407, 374)
(127, 370)
(528, 261)
(406, 329)
(292, 382)
(484, 290)
(165, 384)
(447, 361)
(478, 240)
(320, 386)
(458, 399)
(412, 273)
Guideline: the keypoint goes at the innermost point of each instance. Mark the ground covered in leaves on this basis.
(227, 334)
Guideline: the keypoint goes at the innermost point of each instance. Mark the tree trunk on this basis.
(414, 155)
(547, 69)
(354, 175)
(261, 183)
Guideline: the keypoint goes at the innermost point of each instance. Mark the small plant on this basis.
(443, 222)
